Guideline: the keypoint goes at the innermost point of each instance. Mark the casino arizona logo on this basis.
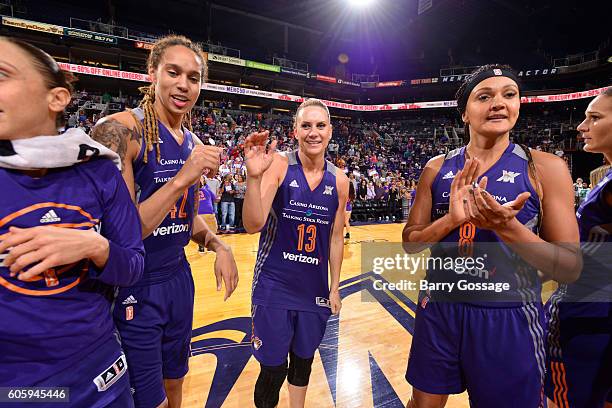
(56, 280)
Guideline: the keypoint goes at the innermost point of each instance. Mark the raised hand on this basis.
(460, 189)
(258, 155)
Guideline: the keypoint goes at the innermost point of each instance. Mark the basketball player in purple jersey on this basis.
(297, 201)
(68, 235)
(579, 342)
(494, 349)
(163, 162)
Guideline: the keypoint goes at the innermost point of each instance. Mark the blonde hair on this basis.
(598, 174)
(309, 103)
(150, 127)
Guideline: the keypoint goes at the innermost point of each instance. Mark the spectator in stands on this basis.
(370, 193)
(353, 181)
(406, 203)
(583, 191)
(362, 191)
(394, 200)
(577, 190)
(240, 187)
(228, 206)
(214, 183)
(379, 191)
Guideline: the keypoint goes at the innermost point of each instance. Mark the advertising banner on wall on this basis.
(389, 83)
(224, 59)
(325, 78)
(350, 83)
(136, 76)
(32, 25)
(143, 45)
(90, 35)
(261, 65)
(296, 72)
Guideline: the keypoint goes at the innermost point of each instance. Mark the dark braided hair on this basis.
(150, 128)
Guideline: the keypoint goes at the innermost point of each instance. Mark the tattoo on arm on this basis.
(114, 135)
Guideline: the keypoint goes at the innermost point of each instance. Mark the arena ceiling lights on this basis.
(360, 4)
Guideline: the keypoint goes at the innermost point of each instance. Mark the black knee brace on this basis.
(299, 370)
(268, 385)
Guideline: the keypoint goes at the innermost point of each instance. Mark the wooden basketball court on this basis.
(363, 357)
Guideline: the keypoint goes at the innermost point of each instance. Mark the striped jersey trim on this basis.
(266, 248)
(554, 329)
(537, 336)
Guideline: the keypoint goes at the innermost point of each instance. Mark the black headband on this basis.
(478, 78)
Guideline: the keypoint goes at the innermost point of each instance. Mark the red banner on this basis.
(104, 72)
(143, 45)
(389, 83)
(326, 78)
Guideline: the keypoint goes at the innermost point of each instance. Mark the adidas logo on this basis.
(328, 190)
(130, 300)
(448, 175)
(294, 183)
(50, 216)
(508, 176)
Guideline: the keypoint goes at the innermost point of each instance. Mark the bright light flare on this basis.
(360, 4)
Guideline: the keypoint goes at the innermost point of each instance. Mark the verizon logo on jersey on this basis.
(171, 229)
(300, 258)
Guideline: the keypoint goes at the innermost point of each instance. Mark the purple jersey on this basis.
(593, 288)
(207, 198)
(291, 271)
(165, 245)
(507, 178)
(594, 283)
(52, 321)
(593, 212)
(580, 315)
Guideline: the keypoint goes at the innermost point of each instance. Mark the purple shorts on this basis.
(493, 353)
(579, 354)
(155, 326)
(276, 332)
